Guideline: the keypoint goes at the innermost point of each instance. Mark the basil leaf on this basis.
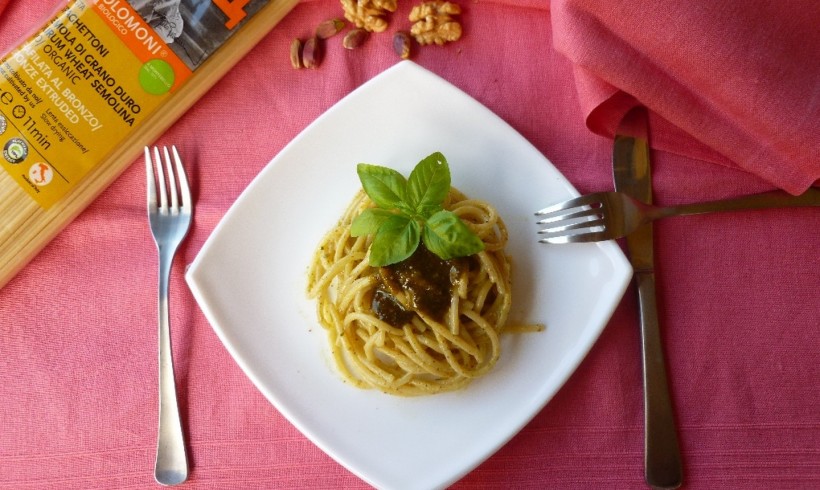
(369, 221)
(396, 240)
(383, 185)
(447, 236)
(428, 185)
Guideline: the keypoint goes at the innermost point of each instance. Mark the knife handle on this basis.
(662, 464)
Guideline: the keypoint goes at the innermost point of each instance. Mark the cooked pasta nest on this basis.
(425, 355)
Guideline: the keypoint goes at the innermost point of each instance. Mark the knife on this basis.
(632, 174)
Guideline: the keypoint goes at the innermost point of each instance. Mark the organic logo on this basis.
(15, 150)
(156, 77)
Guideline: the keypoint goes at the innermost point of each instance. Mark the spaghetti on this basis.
(386, 334)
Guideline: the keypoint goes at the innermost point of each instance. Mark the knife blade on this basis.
(633, 176)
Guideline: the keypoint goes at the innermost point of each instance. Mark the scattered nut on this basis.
(329, 28)
(368, 14)
(355, 38)
(312, 53)
(434, 22)
(296, 53)
(401, 44)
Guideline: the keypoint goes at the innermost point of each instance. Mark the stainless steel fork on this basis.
(169, 225)
(610, 215)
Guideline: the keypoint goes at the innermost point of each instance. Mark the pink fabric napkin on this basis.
(736, 83)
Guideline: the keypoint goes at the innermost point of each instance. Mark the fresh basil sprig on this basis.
(409, 211)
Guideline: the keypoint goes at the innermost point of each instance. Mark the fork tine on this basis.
(584, 200)
(184, 189)
(172, 181)
(151, 186)
(572, 216)
(163, 196)
(592, 236)
(565, 227)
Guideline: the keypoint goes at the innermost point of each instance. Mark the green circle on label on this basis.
(156, 77)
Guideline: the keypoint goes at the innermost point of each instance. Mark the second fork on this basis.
(610, 215)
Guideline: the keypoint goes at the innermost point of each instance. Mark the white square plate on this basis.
(250, 278)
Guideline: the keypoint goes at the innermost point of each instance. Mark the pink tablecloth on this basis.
(738, 294)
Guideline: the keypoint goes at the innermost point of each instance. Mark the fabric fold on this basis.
(731, 83)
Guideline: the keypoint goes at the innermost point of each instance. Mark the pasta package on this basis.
(99, 80)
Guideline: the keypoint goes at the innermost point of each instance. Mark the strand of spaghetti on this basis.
(6, 189)
(451, 360)
(435, 367)
(425, 387)
(419, 324)
(329, 317)
(354, 289)
(362, 254)
(358, 250)
(416, 351)
(482, 292)
(489, 264)
(397, 352)
(341, 364)
(370, 342)
(361, 300)
(15, 218)
(401, 383)
(480, 218)
(483, 219)
(340, 244)
(488, 330)
(368, 370)
(440, 329)
(328, 276)
(12, 196)
(452, 313)
(525, 328)
(429, 341)
(405, 363)
(356, 316)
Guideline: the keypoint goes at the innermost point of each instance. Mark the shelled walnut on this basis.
(434, 22)
(368, 14)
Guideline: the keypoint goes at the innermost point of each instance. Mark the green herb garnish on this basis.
(409, 210)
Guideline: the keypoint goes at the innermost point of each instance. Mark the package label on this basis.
(73, 92)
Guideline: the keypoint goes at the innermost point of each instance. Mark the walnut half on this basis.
(368, 14)
(434, 22)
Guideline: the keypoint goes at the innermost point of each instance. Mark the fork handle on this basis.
(171, 466)
(663, 467)
(765, 200)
